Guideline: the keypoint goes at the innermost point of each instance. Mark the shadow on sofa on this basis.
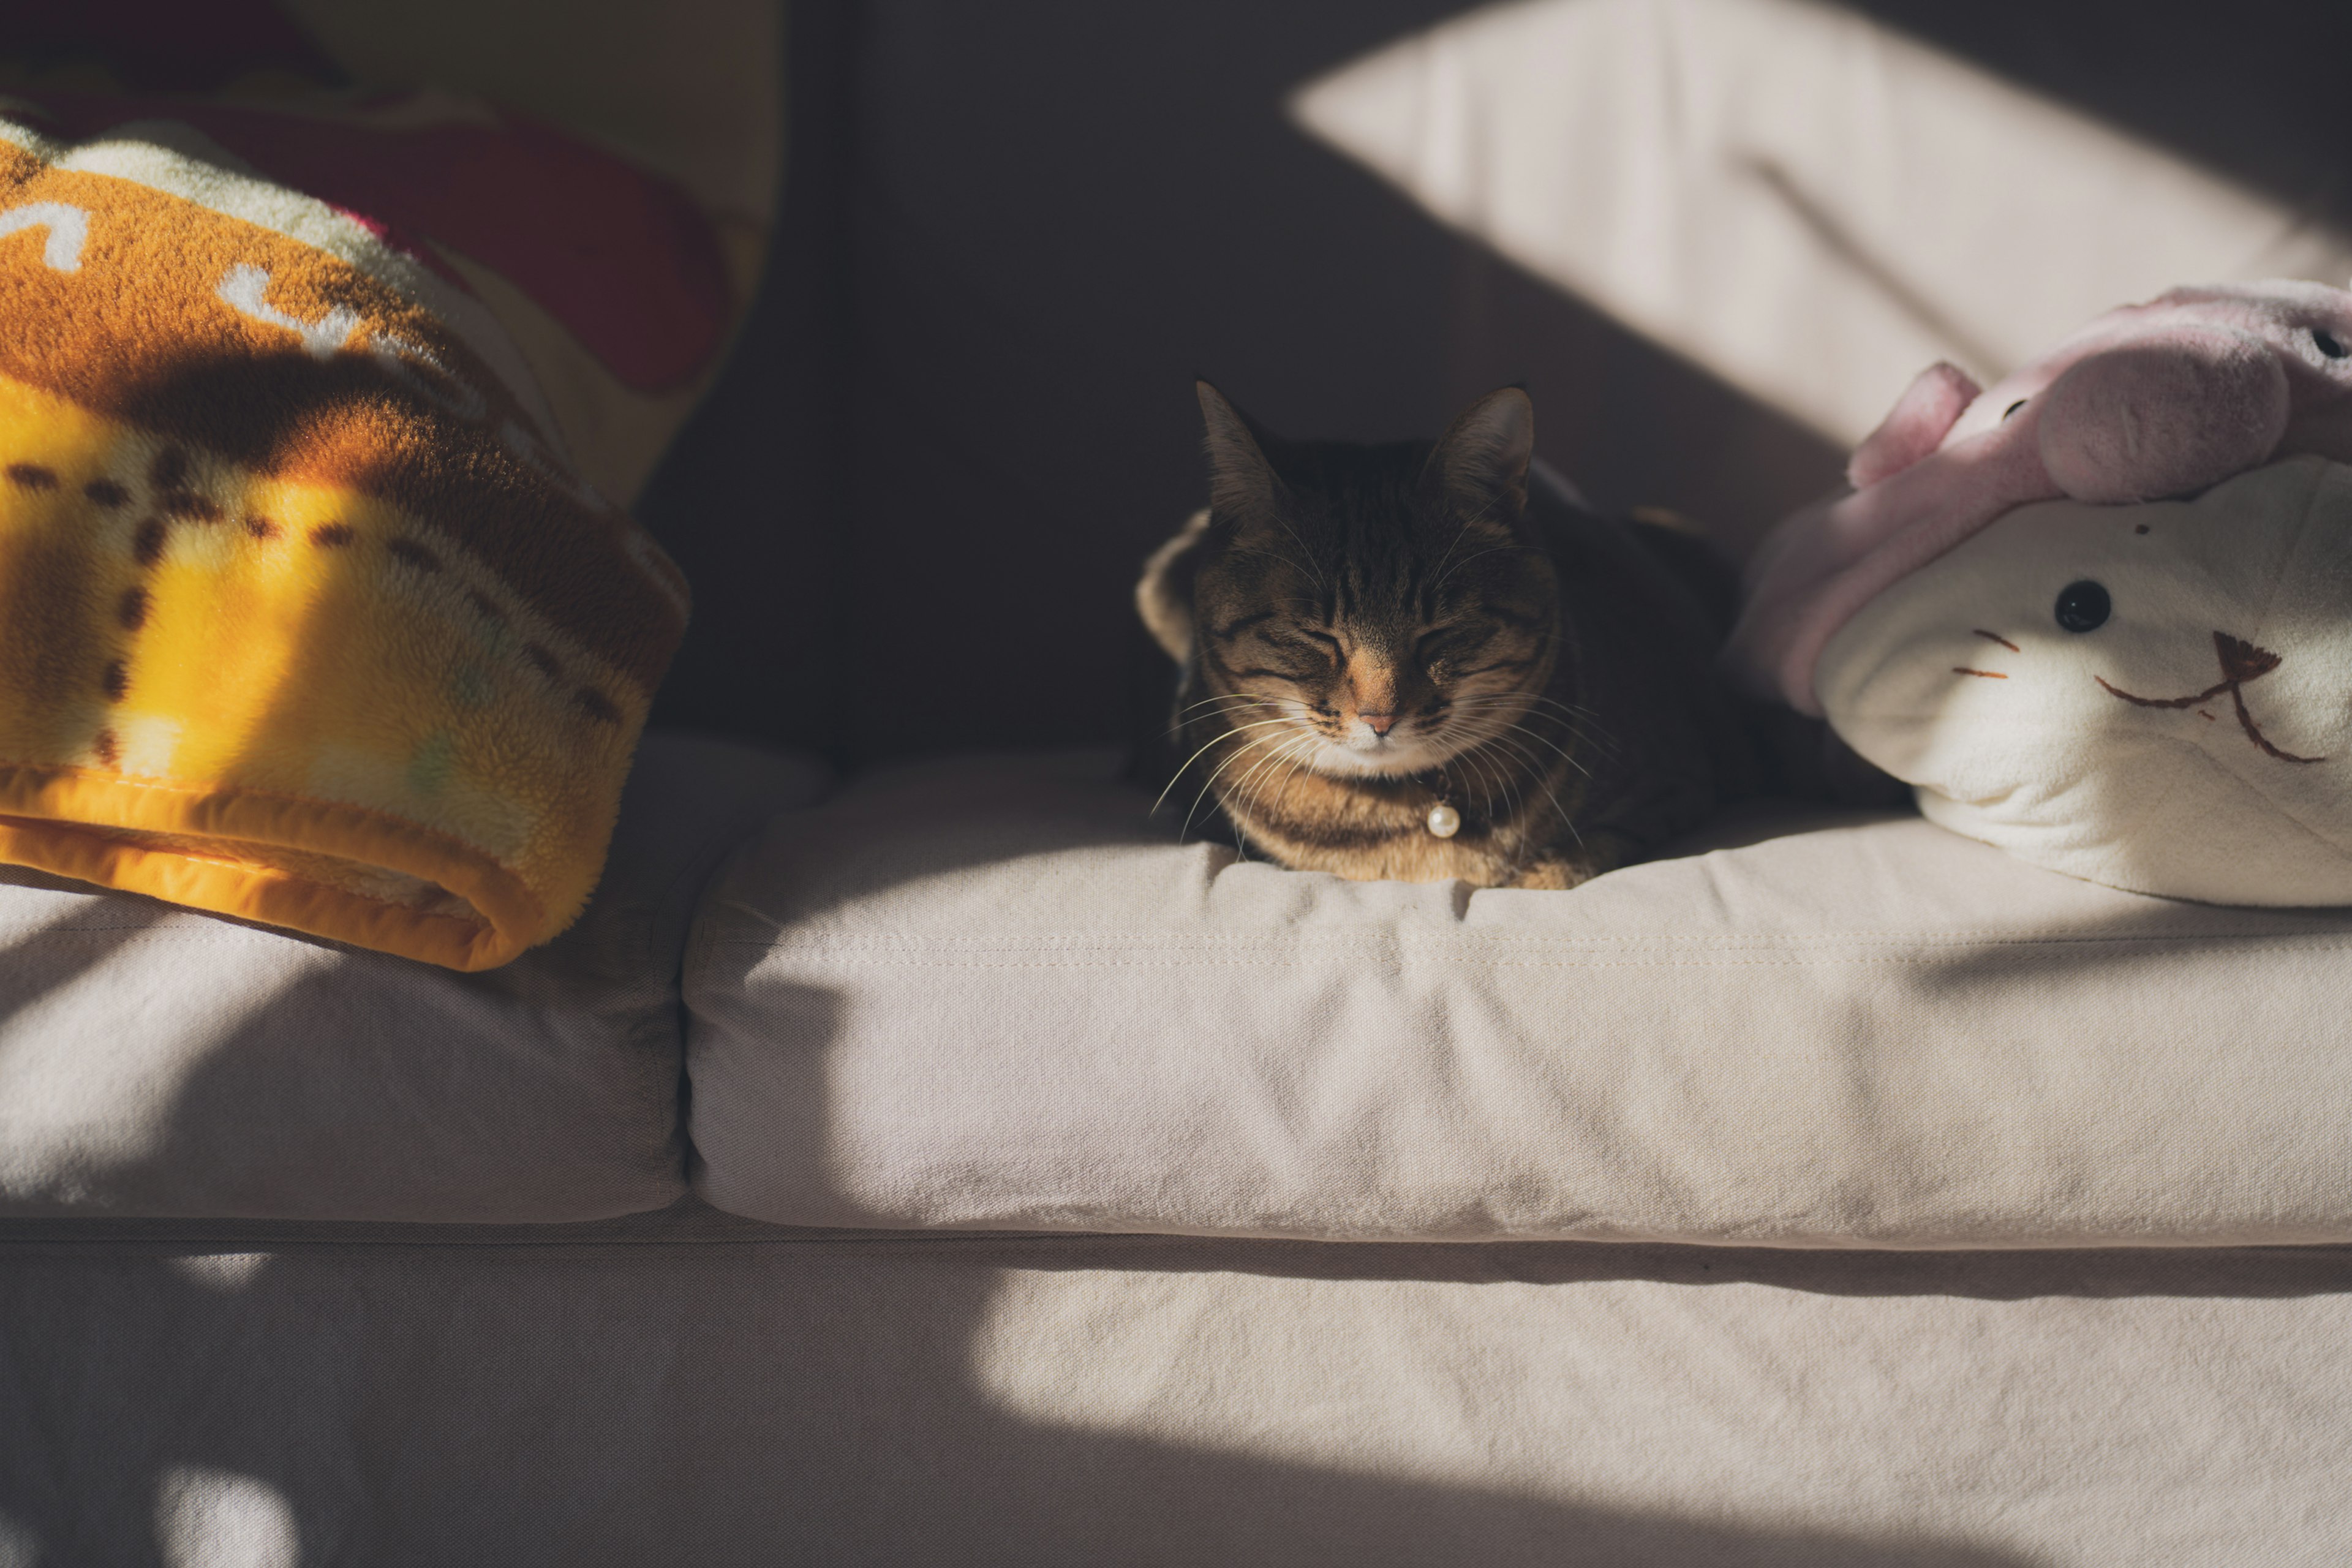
(124, 920)
(693, 1387)
(814, 1402)
(2283, 1273)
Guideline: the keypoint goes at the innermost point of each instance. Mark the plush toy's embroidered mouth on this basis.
(2241, 661)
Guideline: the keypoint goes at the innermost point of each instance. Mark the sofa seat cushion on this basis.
(159, 1062)
(626, 1394)
(990, 993)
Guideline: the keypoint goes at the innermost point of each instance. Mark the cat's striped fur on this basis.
(1365, 631)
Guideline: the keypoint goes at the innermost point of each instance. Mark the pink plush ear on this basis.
(2164, 417)
(1811, 574)
(1923, 416)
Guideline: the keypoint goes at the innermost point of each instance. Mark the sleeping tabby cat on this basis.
(1397, 662)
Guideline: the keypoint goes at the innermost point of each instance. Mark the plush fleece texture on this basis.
(307, 614)
(2149, 401)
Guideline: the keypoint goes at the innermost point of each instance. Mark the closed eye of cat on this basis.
(1301, 653)
(1266, 659)
(1495, 666)
(1453, 643)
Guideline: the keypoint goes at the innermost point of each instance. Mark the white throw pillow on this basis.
(2156, 696)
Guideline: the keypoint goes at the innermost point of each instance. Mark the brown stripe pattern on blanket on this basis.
(305, 614)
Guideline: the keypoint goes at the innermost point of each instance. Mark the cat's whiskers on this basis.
(1564, 754)
(1229, 762)
(1428, 741)
(1297, 761)
(1568, 711)
(1576, 732)
(1499, 720)
(1212, 780)
(1236, 812)
(1185, 718)
(1240, 799)
(1183, 724)
(1247, 791)
(1243, 698)
(1221, 735)
(1542, 776)
(1489, 783)
(1238, 790)
(1585, 731)
(1475, 721)
(1579, 723)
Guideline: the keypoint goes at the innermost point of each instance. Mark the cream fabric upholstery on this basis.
(158, 1061)
(988, 995)
(637, 1393)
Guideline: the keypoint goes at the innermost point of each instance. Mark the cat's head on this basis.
(1377, 608)
(2156, 696)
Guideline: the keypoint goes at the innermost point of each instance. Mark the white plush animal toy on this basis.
(2101, 614)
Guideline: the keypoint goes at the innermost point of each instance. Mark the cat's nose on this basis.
(1381, 723)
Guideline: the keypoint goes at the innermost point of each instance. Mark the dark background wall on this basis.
(1013, 233)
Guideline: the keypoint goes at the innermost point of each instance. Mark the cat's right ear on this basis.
(1242, 482)
(1482, 460)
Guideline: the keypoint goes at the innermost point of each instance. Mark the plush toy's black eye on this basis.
(2083, 606)
(2011, 409)
(2327, 344)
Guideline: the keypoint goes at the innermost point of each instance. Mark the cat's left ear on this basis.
(1242, 484)
(1481, 463)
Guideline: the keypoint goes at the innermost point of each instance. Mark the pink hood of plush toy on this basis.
(2147, 402)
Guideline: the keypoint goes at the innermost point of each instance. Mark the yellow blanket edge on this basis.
(53, 819)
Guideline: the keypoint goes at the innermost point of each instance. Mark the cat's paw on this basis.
(1576, 865)
(1561, 872)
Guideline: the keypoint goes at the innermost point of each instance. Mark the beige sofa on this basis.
(1846, 1192)
(921, 1155)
